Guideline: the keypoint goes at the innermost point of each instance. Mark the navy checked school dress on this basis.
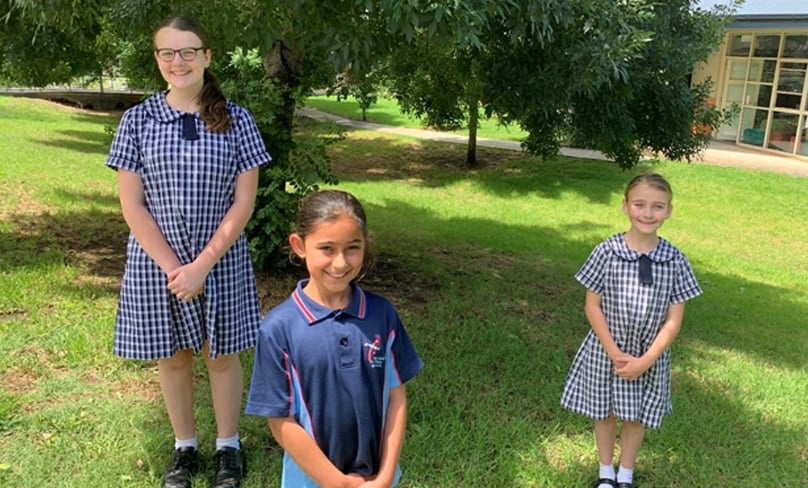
(634, 312)
(189, 186)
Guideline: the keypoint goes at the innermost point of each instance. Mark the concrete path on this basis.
(719, 153)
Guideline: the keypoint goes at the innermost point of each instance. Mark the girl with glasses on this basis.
(187, 162)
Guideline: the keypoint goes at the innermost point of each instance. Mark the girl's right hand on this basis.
(620, 360)
(186, 282)
(355, 480)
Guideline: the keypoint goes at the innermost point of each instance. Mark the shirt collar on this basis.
(158, 107)
(314, 312)
(662, 253)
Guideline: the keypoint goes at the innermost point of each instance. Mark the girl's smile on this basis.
(181, 74)
(334, 253)
(647, 208)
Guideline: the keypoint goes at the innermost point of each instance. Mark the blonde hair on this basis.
(651, 179)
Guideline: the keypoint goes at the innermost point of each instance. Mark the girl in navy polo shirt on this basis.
(637, 284)
(187, 162)
(331, 361)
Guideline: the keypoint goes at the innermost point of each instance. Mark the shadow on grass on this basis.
(93, 240)
(508, 173)
(85, 142)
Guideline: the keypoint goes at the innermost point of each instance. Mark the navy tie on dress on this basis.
(646, 277)
(189, 127)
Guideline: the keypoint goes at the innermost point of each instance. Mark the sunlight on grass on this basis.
(386, 111)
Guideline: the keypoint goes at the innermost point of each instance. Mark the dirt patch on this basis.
(397, 158)
(390, 277)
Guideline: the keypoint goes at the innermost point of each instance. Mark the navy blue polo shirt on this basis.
(332, 370)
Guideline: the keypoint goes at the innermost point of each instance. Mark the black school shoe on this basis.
(182, 468)
(231, 467)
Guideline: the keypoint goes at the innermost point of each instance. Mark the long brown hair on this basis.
(212, 102)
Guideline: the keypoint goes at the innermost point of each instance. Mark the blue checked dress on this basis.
(634, 312)
(189, 186)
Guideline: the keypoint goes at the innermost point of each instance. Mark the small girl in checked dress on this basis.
(637, 284)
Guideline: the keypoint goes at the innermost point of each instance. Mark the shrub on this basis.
(299, 158)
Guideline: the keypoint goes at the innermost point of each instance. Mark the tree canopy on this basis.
(614, 74)
(610, 75)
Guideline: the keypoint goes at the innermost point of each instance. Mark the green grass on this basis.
(480, 265)
(386, 111)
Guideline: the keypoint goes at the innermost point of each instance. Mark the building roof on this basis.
(763, 14)
(763, 8)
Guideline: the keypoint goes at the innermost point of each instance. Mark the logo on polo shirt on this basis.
(373, 348)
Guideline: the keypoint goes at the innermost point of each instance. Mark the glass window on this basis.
(762, 70)
(795, 47)
(791, 80)
(783, 131)
(767, 46)
(759, 95)
(787, 100)
(753, 123)
(734, 93)
(802, 144)
(739, 44)
(737, 70)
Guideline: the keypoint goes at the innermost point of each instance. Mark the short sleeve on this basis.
(250, 150)
(591, 274)
(685, 285)
(271, 386)
(406, 361)
(125, 150)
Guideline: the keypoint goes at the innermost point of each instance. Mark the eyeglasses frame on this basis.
(176, 52)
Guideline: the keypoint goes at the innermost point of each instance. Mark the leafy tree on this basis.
(441, 83)
(288, 179)
(655, 109)
(364, 89)
(526, 65)
(611, 73)
(44, 44)
(647, 107)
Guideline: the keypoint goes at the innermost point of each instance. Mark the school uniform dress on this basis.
(332, 370)
(189, 177)
(635, 312)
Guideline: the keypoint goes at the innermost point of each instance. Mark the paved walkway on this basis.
(719, 153)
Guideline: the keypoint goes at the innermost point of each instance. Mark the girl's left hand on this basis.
(630, 367)
(186, 282)
(373, 482)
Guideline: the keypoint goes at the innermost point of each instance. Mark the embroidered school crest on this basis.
(373, 348)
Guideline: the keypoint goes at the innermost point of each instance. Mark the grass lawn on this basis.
(480, 264)
(386, 111)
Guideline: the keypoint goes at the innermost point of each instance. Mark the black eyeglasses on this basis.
(186, 53)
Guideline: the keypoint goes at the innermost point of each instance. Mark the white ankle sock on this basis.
(625, 475)
(228, 442)
(606, 471)
(192, 442)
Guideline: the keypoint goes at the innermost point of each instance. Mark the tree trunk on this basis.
(471, 153)
(283, 65)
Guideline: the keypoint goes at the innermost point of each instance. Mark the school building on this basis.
(762, 66)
